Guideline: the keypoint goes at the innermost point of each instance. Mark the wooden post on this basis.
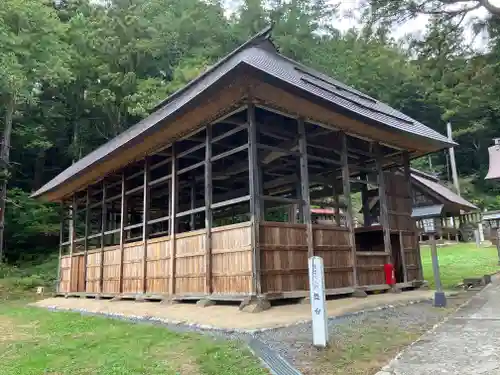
(336, 197)
(193, 202)
(407, 174)
(104, 216)
(254, 185)
(61, 240)
(72, 240)
(173, 220)
(349, 214)
(304, 179)
(298, 189)
(145, 227)
(86, 239)
(365, 203)
(123, 223)
(403, 256)
(208, 210)
(384, 215)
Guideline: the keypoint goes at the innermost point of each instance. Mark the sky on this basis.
(346, 19)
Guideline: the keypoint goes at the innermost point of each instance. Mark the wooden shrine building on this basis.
(192, 201)
(458, 216)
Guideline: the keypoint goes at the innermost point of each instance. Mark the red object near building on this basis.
(390, 276)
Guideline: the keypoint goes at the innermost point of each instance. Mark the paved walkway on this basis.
(229, 317)
(467, 343)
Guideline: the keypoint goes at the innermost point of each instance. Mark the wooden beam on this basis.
(384, 214)
(208, 211)
(123, 221)
(230, 152)
(145, 226)
(254, 189)
(173, 220)
(103, 231)
(349, 213)
(229, 133)
(304, 178)
(285, 200)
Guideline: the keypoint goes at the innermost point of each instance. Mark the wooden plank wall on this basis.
(64, 275)
(231, 265)
(93, 284)
(190, 262)
(158, 273)
(410, 244)
(371, 267)
(232, 259)
(283, 250)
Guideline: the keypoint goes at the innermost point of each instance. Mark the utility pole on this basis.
(452, 160)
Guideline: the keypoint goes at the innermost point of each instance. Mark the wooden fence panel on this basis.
(283, 251)
(133, 255)
(158, 261)
(232, 259)
(111, 271)
(64, 275)
(371, 268)
(190, 262)
(332, 244)
(93, 272)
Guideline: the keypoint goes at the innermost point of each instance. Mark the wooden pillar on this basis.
(407, 174)
(298, 191)
(365, 202)
(86, 239)
(255, 201)
(208, 210)
(304, 179)
(403, 256)
(72, 239)
(123, 223)
(336, 197)
(145, 228)
(384, 215)
(104, 216)
(62, 215)
(173, 219)
(349, 214)
(192, 197)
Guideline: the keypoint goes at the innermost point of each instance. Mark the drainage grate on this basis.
(276, 363)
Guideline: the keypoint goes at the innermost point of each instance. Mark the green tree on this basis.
(32, 56)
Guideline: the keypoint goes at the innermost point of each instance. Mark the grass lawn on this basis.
(34, 341)
(459, 261)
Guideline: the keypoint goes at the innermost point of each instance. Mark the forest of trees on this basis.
(75, 73)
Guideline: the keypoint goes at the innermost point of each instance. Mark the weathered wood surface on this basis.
(231, 266)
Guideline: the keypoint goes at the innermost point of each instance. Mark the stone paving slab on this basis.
(467, 343)
(229, 317)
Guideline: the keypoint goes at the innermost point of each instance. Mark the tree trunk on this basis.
(4, 157)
